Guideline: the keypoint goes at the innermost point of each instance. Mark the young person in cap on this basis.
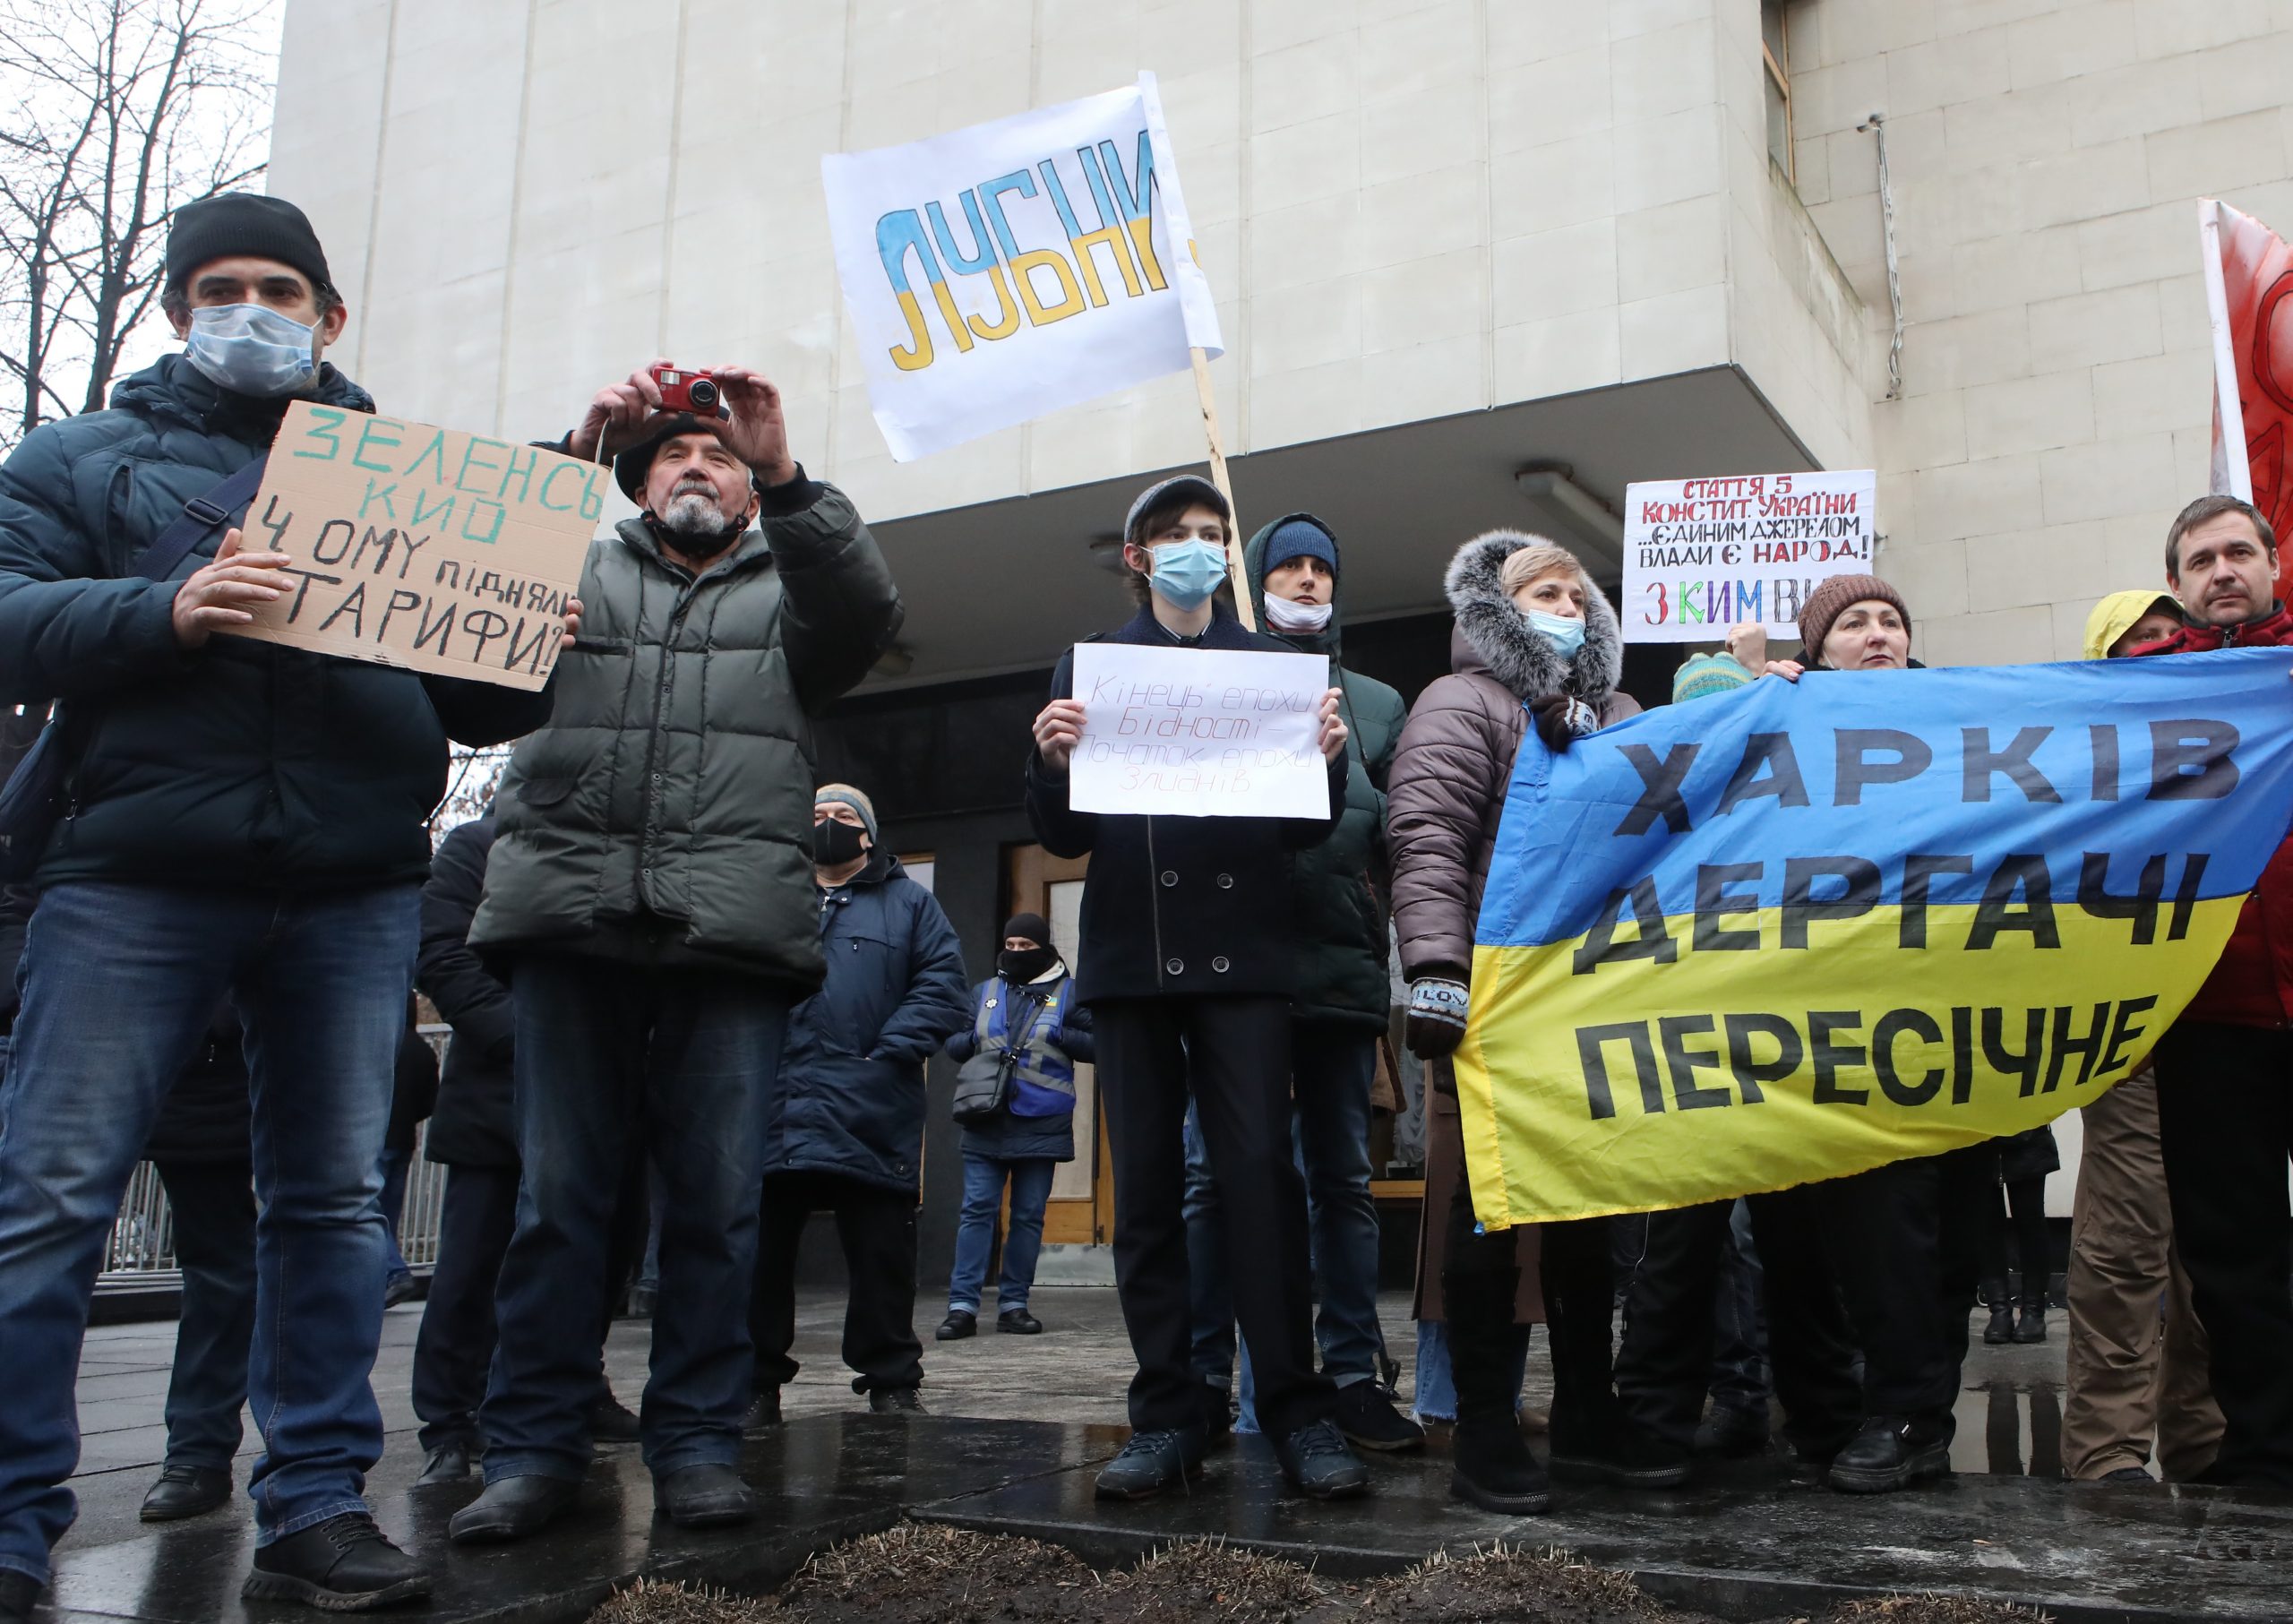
(1188, 967)
(242, 819)
(1338, 1013)
(2225, 1069)
(1905, 1238)
(2136, 1384)
(651, 892)
(1028, 1010)
(844, 1119)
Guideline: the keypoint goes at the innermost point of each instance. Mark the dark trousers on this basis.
(1666, 1362)
(876, 1226)
(212, 1203)
(2225, 1125)
(455, 1345)
(1233, 1055)
(1479, 1275)
(613, 1059)
(2025, 1200)
(1904, 1246)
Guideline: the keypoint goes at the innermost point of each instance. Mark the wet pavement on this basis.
(1020, 1422)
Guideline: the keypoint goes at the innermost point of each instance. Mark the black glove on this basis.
(1435, 1023)
(1561, 720)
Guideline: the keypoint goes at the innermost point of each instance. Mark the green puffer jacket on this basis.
(1339, 910)
(665, 812)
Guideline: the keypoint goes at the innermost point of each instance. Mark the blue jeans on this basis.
(396, 1165)
(1333, 1067)
(212, 1209)
(119, 982)
(1436, 1397)
(984, 1179)
(1739, 1378)
(611, 1055)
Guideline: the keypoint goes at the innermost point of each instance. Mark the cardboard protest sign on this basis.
(1199, 733)
(421, 546)
(999, 273)
(1701, 554)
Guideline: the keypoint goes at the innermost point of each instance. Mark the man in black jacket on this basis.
(1186, 962)
(240, 817)
(474, 1135)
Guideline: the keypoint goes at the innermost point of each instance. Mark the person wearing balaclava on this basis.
(1339, 1010)
(651, 895)
(844, 1119)
(1184, 958)
(225, 817)
(1026, 1013)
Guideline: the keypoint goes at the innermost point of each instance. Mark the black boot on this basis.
(185, 1492)
(2033, 1326)
(2001, 1328)
(1891, 1452)
(1494, 1469)
(511, 1508)
(342, 1565)
(19, 1594)
(704, 1497)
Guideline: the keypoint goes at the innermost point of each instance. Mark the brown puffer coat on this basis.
(1444, 795)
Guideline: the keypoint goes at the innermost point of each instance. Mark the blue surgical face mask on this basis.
(250, 349)
(1563, 634)
(1185, 572)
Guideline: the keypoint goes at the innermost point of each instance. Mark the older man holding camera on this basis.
(650, 894)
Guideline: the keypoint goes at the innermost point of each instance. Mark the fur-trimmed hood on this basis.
(1492, 633)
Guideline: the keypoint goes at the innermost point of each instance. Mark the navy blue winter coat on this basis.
(849, 1095)
(243, 765)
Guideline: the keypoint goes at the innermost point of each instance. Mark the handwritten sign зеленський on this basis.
(1199, 733)
(421, 546)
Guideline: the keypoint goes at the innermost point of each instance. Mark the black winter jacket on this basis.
(472, 1125)
(848, 1097)
(1179, 907)
(241, 764)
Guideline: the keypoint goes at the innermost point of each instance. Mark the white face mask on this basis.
(250, 349)
(1284, 616)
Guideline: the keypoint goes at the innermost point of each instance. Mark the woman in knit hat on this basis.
(1851, 623)
(1904, 1237)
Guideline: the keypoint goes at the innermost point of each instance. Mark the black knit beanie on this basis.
(244, 223)
(1035, 927)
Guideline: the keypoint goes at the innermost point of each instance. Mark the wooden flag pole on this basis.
(1236, 571)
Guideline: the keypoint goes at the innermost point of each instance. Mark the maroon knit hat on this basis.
(1830, 600)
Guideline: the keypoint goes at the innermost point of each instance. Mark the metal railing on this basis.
(142, 1251)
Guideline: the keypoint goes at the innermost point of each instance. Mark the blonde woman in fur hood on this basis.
(1535, 644)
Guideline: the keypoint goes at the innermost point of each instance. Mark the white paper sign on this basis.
(1191, 733)
(1701, 554)
(1002, 271)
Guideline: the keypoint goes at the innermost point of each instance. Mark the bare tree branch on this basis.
(128, 110)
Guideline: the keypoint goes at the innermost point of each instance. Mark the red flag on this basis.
(2248, 281)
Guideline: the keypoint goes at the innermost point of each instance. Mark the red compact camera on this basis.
(688, 391)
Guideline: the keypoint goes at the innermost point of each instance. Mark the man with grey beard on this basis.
(650, 896)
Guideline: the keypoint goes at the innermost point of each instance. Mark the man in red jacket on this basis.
(2225, 1071)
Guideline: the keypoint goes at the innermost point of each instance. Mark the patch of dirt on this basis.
(921, 1573)
(1186, 1583)
(1502, 1585)
(1933, 1610)
(648, 1601)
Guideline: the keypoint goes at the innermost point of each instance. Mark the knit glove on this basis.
(1561, 720)
(1436, 1023)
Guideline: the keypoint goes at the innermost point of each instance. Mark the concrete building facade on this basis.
(1478, 263)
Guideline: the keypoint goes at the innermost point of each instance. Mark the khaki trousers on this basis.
(2133, 1375)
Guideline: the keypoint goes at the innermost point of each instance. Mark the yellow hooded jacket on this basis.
(2118, 612)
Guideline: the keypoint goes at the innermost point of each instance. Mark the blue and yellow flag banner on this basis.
(1803, 930)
